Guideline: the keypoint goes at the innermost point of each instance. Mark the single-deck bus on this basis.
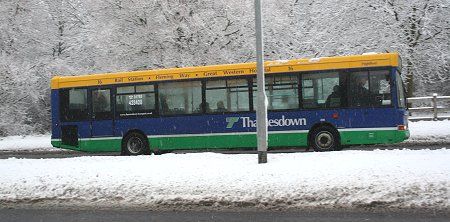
(322, 103)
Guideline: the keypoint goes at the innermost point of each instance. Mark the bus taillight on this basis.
(402, 127)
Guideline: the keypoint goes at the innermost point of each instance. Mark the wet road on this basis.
(57, 215)
(61, 153)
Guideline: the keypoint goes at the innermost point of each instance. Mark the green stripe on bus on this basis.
(237, 141)
(226, 141)
(373, 137)
(96, 145)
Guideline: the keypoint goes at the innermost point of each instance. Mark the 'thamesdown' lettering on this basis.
(247, 122)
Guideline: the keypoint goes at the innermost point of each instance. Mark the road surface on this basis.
(68, 215)
(61, 153)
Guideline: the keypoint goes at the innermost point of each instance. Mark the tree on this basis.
(41, 39)
(420, 29)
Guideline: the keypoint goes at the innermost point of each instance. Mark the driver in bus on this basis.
(360, 93)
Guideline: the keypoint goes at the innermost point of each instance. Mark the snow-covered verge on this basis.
(433, 132)
(417, 179)
(26, 143)
(423, 132)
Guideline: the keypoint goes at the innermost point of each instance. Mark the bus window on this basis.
(73, 105)
(359, 94)
(400, 91)
(227, 95)
(321, 90)
(125, 89)
(370, 88)
(134, 101)
(282, 92)
(380, 87)
(101, 104)
(180, 97)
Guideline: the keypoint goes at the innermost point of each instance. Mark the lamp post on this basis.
(261, 107)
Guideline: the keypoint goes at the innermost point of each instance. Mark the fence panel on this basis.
(438, 111)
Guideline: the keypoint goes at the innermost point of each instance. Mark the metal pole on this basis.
(435, 118)
(261, 107)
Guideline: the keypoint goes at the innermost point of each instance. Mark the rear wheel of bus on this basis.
(325, 138)
(135, 144)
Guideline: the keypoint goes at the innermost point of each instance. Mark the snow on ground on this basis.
(26, 143)
(347, 179)
(429, 131)
(421, 132)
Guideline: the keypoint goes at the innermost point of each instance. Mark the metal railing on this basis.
(435, 109)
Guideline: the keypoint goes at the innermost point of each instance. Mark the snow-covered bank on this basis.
(26, 143)
(380, 178)
(423, 132)
(429, 132)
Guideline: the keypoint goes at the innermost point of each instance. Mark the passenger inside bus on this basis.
(334, 99)
(220, 107)
(164, 107)
(100, 103)
(207, 108)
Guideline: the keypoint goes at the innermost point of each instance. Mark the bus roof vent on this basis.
(370, 53)
(314, 60)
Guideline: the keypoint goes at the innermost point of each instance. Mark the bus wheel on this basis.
(325, 138)
(135, 144)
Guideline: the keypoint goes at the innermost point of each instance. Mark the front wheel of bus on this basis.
(135, 144)
(325, 138)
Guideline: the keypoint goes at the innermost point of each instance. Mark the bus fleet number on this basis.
(135, 100)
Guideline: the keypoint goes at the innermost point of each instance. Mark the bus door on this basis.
(74, 117)
(102, 121)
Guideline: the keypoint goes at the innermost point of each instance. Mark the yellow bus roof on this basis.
(279, 66)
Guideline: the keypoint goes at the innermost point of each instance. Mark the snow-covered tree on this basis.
(45, 38)
(420, 30)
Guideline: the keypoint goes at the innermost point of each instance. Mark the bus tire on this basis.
(325, 138)
(135, 144)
